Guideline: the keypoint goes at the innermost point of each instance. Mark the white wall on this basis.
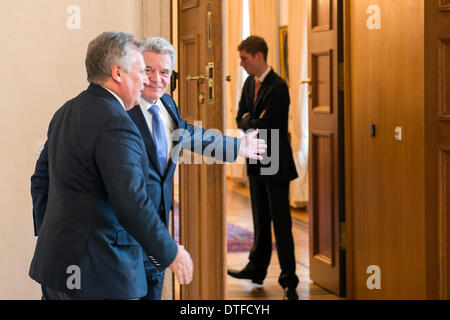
(283, 12)
(42, 64)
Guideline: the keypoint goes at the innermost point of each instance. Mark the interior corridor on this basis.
(239, 213)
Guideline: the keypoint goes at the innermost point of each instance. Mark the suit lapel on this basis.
(170, 105)
(139, 119)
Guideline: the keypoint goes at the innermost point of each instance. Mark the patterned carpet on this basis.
(238, 239)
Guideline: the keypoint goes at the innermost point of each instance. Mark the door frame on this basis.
(327, 124)
(203, 232)
(347, 150)
(346, 196)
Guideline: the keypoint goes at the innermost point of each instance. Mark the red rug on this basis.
(238, 239)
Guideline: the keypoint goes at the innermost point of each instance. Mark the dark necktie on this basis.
(159, 136)
(257, 86)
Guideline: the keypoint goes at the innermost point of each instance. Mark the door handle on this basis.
(198, 78)
(309, 81)
(173, 81)
(210, 72)
(210, 76)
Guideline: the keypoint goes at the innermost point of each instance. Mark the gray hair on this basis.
(109, 49)
(160, 46)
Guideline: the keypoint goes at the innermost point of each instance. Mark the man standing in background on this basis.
(264, 104)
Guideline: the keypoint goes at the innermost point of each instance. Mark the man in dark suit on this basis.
(99, 219)
(164, 133)
(160, 58)
(264, 105)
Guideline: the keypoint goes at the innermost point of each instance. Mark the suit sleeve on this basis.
(208, 143)
(276, 104)
(118, 153)
(39, 189)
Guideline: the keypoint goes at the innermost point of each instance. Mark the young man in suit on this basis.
(90, 181)
(164, 134)
(264, 105)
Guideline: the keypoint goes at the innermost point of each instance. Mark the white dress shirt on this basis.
(117, 97)
(264, 75)
(166, 119)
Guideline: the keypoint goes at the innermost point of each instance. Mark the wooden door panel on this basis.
(189, 93)
(386, 176)
(187, 4)
(189, 203)
(443, 221)
(323, 245)
(202, 219)
(444, 78)
(326, 147)
(321, 15)
(437, 147)
(322, 85)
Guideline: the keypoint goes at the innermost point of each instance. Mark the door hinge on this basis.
(341, 81)
(342, 236)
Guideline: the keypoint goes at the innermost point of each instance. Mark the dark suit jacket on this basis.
(274, 98)
(159, 185)
(186, 136)
(98, 213)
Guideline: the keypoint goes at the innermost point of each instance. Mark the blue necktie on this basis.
(159, 136)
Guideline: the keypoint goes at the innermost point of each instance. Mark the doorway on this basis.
(237, 27)
(225, 194)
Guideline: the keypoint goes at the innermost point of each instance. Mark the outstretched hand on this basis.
(252, 147)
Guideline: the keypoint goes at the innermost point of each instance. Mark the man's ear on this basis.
(116, 73)
(260, 56)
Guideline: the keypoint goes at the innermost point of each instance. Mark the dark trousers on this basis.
(270, 203)
(155, 282)
(51, 294)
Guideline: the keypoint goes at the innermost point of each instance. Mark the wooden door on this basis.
(437, 147)
(326, 214)
(202, 219)
(386, 171)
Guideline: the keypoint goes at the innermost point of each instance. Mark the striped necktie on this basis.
(257, 86)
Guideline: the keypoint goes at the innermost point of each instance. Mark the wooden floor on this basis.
(239, 213)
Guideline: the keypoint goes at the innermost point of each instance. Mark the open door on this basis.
(326, 208)
(202, 219)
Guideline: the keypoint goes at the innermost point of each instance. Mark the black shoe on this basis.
(245, 274)
(290, 294)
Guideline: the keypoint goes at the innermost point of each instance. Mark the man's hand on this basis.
(246, 115)
(251, 147)
(182, 266)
